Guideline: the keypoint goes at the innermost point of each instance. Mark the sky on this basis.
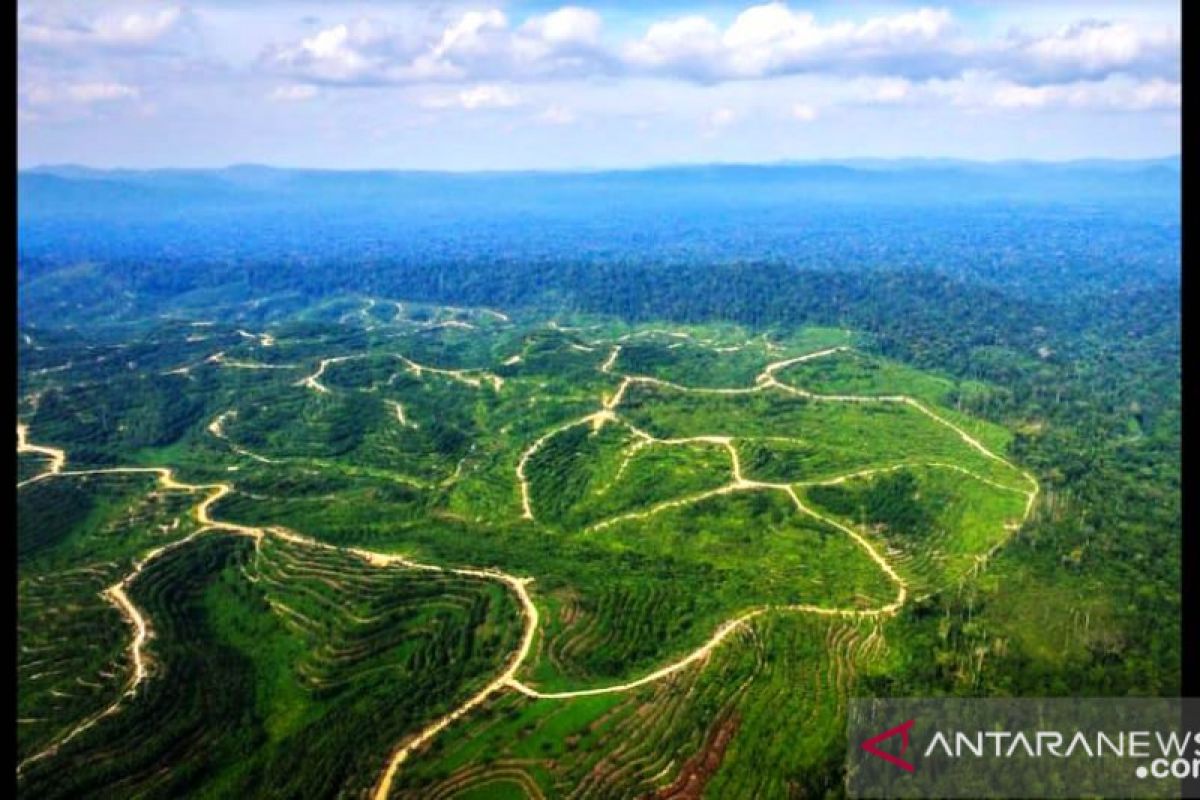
(541, 85)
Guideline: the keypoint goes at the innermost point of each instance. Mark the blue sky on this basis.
(506, 85)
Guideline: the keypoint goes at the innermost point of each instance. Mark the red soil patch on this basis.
(699, 769)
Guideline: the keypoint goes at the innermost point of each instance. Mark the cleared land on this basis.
(512, 557)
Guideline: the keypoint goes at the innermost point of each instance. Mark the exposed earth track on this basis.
(607, 413)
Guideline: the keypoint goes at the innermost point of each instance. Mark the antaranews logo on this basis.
(871, 745)
(1023, 748)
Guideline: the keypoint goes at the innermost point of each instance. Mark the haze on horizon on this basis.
(539, 85)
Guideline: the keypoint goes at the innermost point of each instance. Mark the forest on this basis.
(621, 407)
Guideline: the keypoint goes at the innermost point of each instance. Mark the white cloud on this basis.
(137, 28)
(565, 42)
(477, 45)
(722, 117)
(924, 24)
(897, 76)
(717, 121)
(569, 24)
(772, 39)
(556, 115)
(1097, 95)
(334, 54)
(679, 42)
(483, 96)
(891, 90)
(100, 92)
(293, 92)
(469, 34)
(804, 112)
(1098, 48)
(1016, 96)
(981, 91)
(1156, 94)
(83, 94)
(488, 97)
(113, 30)
(762, 41)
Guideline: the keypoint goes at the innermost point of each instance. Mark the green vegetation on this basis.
(657, 513)
(891, 501)
(583, 476)
(790, 439)
(283, 671)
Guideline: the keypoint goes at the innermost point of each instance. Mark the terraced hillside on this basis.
(410, 551)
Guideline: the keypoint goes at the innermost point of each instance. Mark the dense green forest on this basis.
(663, 445)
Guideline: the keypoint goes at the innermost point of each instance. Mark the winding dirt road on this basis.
(607, 413)
(765, 380)
(57, 457)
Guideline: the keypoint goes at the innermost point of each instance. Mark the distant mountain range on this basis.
(121, 195)
(258, 172)
(86, 236)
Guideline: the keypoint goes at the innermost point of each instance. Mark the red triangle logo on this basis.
(902, 732)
